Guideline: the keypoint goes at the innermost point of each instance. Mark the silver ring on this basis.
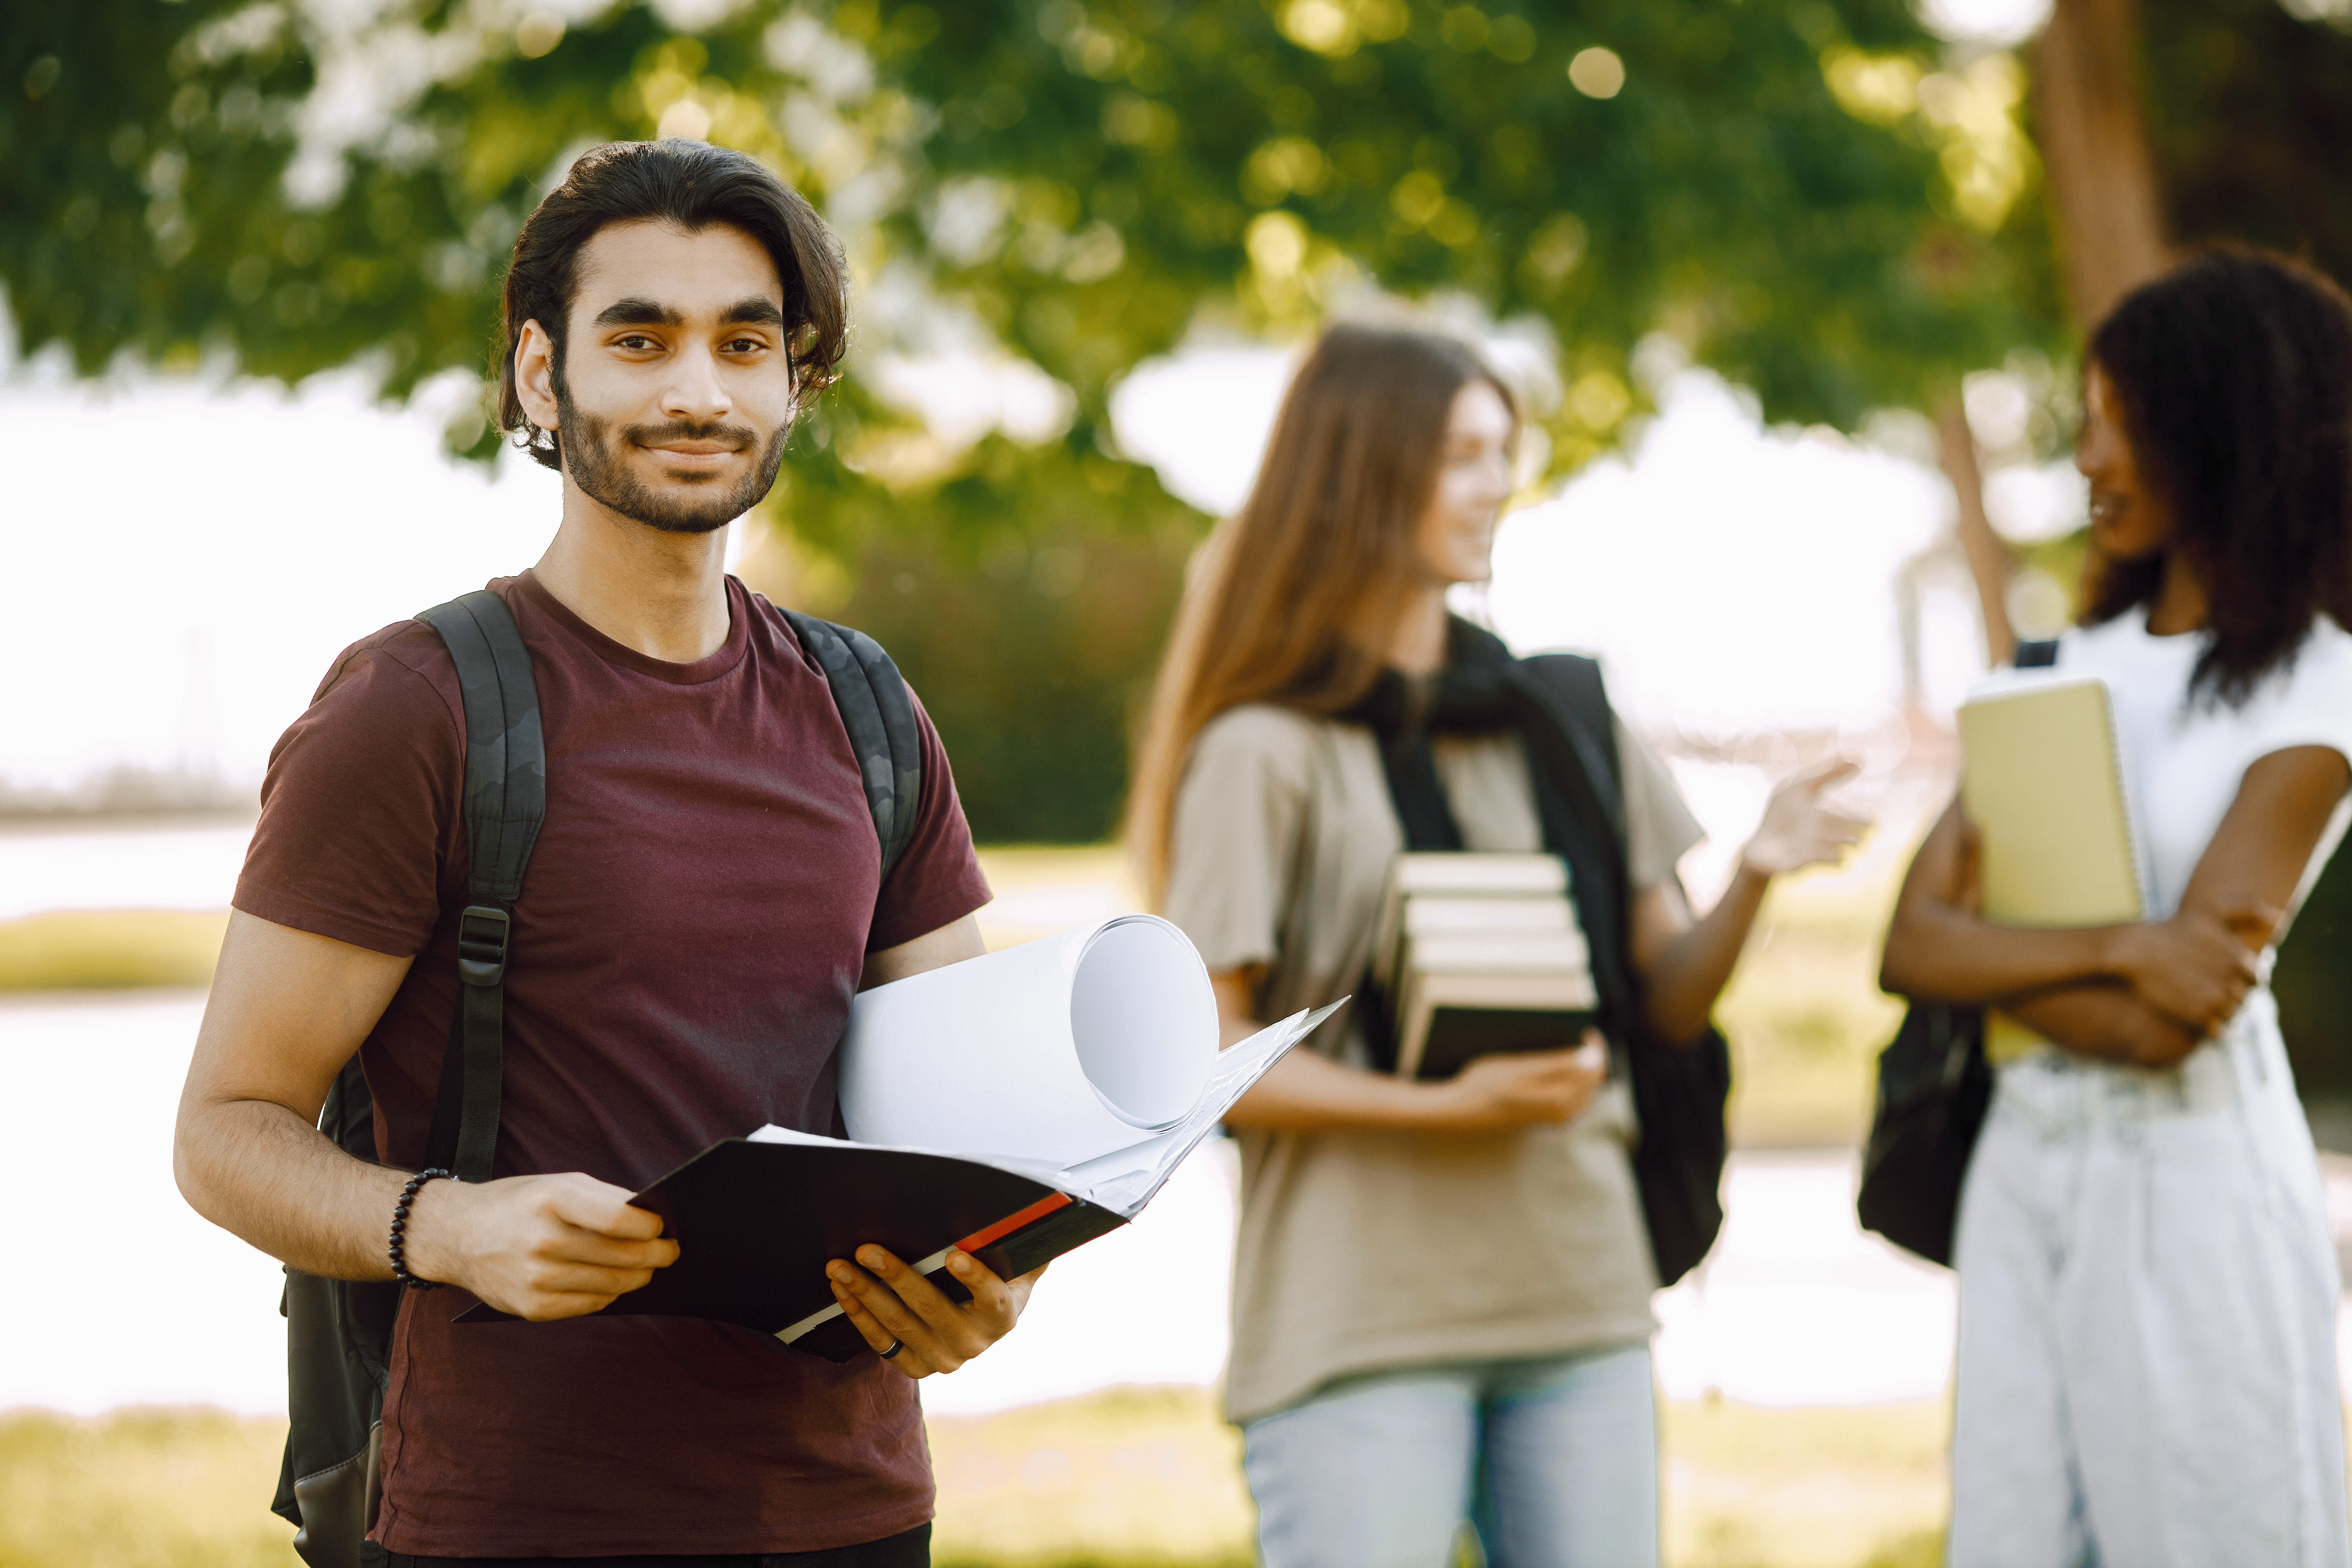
(896, 1346)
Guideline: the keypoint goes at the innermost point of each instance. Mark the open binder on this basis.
(1085, 1066)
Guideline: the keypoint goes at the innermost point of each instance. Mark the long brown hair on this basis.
(1283, 596)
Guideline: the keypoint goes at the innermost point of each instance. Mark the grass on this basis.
(1128, 1477)
(106, 949)
(141, 1489)
(1804, 1011)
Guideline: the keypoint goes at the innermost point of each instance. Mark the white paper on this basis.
(1124, 1179)
(1055, 1052)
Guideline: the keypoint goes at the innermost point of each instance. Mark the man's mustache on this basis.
(740, 437)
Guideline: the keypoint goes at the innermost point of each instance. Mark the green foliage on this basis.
(2251, 120)
(1776, 185)
(1031, 639)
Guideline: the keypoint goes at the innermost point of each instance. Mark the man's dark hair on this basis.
(693, 186)
(2235, 375)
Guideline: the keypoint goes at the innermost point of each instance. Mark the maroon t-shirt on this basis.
(691, 929)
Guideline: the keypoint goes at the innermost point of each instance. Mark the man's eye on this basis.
(746, 345)
(634, 342)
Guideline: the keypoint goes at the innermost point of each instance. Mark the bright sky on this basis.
(186, 561)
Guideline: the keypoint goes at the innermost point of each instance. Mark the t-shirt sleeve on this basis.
(937, 879)
(357, 823)
(1659, 827)
(1234, 836)
(2315, 706)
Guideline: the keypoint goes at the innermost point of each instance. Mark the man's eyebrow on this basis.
(638, 312)
(753, 309)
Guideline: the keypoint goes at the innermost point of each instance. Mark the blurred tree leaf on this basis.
(1807, 196)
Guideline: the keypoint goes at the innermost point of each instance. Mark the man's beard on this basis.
(590, 458)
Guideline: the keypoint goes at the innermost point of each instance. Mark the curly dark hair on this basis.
(2234, 371)
(693, 186)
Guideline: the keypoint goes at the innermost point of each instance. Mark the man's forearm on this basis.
(261, 1173)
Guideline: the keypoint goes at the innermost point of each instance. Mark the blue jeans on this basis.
(1555, 1460)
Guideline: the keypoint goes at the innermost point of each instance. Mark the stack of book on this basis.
(1478, 954)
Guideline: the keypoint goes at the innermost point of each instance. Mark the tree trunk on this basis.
(1987, 557)
(2092, 135)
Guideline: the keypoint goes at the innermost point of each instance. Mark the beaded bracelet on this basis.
(400, 1226)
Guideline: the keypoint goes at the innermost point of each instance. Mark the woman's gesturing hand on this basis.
(1797, 830)
(1496, 1094)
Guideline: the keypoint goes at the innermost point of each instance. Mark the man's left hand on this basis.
(890, 1304)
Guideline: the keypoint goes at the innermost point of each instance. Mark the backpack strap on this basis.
(1577, 754)
(878, 711)
(2034, 655)
(504, 802)
(1583, 697)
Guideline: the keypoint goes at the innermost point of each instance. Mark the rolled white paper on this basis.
(1057, 1051)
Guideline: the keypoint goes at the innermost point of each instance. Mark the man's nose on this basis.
(697, 391)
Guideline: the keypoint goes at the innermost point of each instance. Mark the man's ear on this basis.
(535, 375)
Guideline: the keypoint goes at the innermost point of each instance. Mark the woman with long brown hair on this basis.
(1441, 1293)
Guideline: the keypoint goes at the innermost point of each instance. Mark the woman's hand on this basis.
(2199, 965)
(1499, 1094)
(1797, 830)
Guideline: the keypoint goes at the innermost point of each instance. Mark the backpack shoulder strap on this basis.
(1583, 697)
(505, 801)
(878, 711)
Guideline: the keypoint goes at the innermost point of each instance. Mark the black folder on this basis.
(757, 1220)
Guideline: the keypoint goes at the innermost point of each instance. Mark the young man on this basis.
(700, 906)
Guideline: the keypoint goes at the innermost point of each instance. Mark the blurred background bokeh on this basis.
(1793, 290)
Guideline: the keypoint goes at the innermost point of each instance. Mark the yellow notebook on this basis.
(2043, 783)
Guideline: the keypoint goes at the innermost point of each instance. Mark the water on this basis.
(127, 1296)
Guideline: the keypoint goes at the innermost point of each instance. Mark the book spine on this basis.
(2124, 793)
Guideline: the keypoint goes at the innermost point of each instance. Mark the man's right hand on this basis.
(1497, 1094)
(538, 1246)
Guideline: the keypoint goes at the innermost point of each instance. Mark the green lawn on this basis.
(1132, 1477)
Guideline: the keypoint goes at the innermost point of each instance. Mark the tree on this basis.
(1806, 197)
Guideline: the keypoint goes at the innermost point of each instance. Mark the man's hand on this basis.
(889, 1302)
(1499, 1094)
(538, 1246)
(1797, 830)
(2200, 965)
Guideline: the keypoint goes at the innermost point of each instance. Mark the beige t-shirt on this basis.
(1364, 1249)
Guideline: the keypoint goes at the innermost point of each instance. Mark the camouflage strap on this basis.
(880, 714)
(505, 801)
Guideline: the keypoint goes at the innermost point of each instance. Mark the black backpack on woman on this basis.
(338, 1332)
(1679, 1089)
(1559, 707)
(1934, 1089)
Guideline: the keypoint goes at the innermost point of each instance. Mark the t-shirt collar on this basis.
(730, 654)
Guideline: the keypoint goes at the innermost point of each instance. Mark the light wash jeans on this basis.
(1555, 1459)
(2147, 1320)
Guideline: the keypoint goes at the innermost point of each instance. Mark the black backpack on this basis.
(1679, 1090)
(1934, 1089)
(338, 1332)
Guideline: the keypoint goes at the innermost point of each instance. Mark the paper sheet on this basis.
(1124, 1179)
(1057, 1051)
